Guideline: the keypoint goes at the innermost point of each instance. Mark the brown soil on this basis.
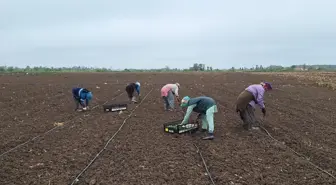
(300, 116)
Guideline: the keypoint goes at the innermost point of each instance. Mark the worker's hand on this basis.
(178, 99)
(263, 110)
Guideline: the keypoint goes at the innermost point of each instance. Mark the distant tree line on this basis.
(303, 67)
(28, 69)
(195, 67)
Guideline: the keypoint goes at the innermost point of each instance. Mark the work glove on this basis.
(263, 110)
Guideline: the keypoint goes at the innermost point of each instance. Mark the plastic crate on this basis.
(175, 127)
(114, 107)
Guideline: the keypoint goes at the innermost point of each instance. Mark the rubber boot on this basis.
(210, 136)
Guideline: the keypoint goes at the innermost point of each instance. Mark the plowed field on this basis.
(44, 141)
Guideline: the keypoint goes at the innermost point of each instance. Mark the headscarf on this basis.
(184, 101)
(267, 85)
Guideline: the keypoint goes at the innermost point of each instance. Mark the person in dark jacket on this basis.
(133, 91)
(82, 97)
(246, 101)
(206, 107)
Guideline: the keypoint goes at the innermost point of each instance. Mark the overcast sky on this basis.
(155, 33)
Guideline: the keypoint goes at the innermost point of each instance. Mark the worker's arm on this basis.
(137, 88)
(260, 100)
(177, 95)
(187, 115)
(176, 92)
(82, 102)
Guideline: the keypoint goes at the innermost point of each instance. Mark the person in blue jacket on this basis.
(82, 96)
(133, 90)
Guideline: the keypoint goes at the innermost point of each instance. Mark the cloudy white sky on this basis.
(155, 33)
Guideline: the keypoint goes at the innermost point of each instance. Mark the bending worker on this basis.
(168, 92)
(81, 96)
(133, 90)
(206, 107)
(246, 101)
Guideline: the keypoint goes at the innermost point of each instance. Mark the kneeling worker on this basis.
(206, 107)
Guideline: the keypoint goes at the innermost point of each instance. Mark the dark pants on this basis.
(78, 102)
(248, 117)
(169, 101)
(131, 92)
(243, 100)
(245, 110)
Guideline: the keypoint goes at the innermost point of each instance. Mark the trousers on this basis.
(169, 100)
(131, 92)
(208, 119)
(248, 117)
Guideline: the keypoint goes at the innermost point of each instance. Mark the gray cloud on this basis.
(150, 33)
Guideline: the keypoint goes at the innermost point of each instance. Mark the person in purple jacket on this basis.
(246, 101)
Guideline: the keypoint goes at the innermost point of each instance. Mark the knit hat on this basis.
(137, 83)
(184, 101)
(267, 85)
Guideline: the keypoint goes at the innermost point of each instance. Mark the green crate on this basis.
(175, 127)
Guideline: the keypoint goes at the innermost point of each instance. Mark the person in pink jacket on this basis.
(168, 94)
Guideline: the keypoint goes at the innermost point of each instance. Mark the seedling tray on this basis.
(114, 107)
(175, 127)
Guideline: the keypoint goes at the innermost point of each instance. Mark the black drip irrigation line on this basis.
(204, 163)
(107, 143)
(297, 153)
(199, 151)
(45, 133)
(38, 136)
